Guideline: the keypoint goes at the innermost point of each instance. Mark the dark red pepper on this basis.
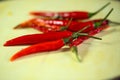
(77, 15)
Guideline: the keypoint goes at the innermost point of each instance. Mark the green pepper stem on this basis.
(69, 22)
(66, 27)
(107, 15)
(96, 12)
(97, 24)
(113, 22)
(77, 34)
(93, 37)
(75, 50)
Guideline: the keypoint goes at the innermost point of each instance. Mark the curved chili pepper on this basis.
(47, 25)
(45, 46)
(39, 24)
(41, 47)
(68, 15)
(37, 38)
(59, 25)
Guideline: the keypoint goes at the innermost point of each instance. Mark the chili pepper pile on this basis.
(58, 29)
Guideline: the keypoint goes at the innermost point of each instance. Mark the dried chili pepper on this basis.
(37, 38)
(67, 15)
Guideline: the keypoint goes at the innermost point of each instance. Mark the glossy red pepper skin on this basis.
(41, 47)
(75, 28)
(54, 45)
(63, 15)
(58, 22)
(38, 38)
(45, 23)
(58, 25)
(92, 25)
(81, 39)
(75, 15)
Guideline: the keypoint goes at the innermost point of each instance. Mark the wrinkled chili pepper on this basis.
(37, 38)
(68, 15)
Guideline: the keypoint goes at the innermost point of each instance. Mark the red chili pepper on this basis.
(54, 25)
(68, 15)
(98, 27)
(92, 24)
(44, 47)
(54, 45)
(38, 38)
(46, 25)
(73, 26)
(41, 47)
(58, 25)
(80, 39)
(34, 22)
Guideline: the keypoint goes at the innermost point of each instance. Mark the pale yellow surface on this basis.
(101, 59)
